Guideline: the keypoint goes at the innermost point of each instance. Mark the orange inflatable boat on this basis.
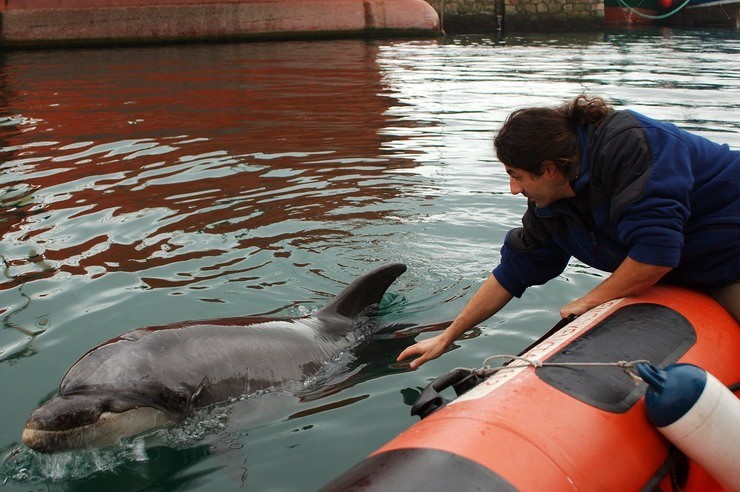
(563, 427)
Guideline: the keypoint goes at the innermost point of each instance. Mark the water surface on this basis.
(154, 185)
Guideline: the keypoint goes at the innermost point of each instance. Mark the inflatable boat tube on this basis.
(566, 428)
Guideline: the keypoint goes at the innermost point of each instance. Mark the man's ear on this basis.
(551, 169)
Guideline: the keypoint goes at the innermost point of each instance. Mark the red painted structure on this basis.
(42, 22)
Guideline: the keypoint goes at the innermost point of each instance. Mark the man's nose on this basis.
(515, 186)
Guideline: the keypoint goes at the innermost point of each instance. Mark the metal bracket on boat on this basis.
(430, 400)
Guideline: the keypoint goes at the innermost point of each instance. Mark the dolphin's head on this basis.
(99, 418)
(110, 393)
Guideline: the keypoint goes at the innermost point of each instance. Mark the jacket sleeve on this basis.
(646, 173)
(527, 259)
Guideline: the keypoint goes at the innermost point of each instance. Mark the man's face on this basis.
(540, 189)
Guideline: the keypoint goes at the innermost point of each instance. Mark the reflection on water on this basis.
(152, 157)
(152, 185)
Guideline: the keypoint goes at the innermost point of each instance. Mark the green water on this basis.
(154, 185)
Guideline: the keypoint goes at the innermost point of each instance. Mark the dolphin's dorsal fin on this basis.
(363, 292)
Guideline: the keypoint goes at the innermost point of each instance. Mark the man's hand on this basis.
(575, 308)
(632, 277)
(428, 349)
(486, 302)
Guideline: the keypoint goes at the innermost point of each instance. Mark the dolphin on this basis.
(156, 376)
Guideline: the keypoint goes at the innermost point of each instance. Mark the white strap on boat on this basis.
(627, 366)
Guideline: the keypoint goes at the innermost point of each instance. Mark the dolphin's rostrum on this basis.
(155, 376)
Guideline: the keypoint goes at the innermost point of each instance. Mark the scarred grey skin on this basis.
(156, 376)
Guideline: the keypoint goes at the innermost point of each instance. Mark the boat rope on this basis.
(486, 371)
(624, 4)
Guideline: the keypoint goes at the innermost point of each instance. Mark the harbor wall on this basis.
(518, 15)
(469, 16)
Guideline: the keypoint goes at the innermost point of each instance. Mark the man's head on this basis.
(541, 143)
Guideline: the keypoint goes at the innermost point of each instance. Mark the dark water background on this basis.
(152, 185)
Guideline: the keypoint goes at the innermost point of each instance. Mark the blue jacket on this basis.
(645, 189)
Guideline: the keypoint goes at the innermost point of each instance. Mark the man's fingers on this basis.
(418, 361)
(407, 352)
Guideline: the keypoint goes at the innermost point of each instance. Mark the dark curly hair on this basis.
(530, 136)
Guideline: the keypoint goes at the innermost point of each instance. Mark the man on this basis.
(619, 191)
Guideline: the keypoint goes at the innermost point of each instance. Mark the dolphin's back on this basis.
(230, 359)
